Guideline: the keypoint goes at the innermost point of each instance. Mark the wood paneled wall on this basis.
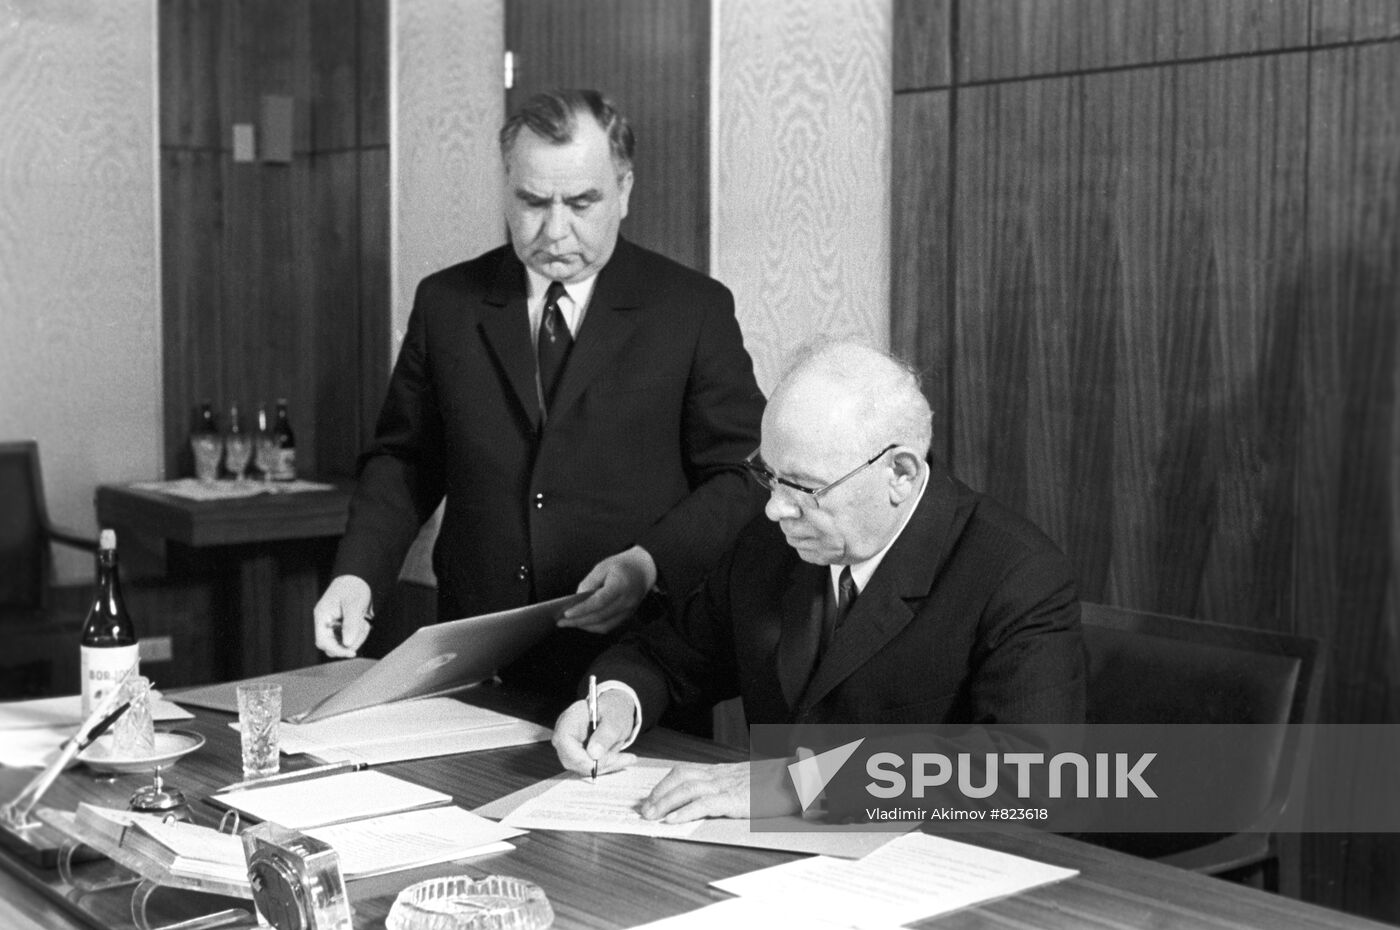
(1147, 253)
(653, 59)
(276, 275)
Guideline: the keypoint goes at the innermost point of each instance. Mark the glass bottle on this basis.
(109, 646)
(206, 444)
(284, 467)
(264, 446)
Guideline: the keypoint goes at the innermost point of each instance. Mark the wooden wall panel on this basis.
(923, 51)
(263, 288)
(1176, 330)
(190, 36)
(376, 314)
(334, 27)
(192, 293)
(653, 59)
(372, 75)
(1348, 552)
(1354, 20)
(1123, 352)
(921, 249)
(1015, 38)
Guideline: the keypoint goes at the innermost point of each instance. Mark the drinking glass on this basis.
(134, 734)
(259, 713)
(208, 448)
(238, 448)
(264, 450)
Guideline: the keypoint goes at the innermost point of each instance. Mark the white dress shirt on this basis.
(573, 305)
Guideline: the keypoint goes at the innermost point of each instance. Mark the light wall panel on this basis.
(79, 286)
(800, 195)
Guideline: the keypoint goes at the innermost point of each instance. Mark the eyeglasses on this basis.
(765, 476)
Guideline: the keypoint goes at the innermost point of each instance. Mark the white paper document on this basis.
(318, 802)
(608, 805)
(790, 833)
(412, 839)
(404, 730)
(743, 913)
(907, 879)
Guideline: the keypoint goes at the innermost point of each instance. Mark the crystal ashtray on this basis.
(496, 902)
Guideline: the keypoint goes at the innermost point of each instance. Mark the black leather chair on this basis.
(1159, 669)
(40, 641)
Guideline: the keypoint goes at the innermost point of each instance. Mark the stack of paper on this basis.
(607, 804)
(408, 730)
(319, 802)
(610, 805)
(413, 839)
(182, 849)
(908, 879)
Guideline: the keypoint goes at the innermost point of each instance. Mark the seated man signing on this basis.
(880, 590)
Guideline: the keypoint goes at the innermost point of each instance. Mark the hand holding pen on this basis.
(590, 733)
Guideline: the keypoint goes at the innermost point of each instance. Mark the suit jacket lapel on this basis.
(889, 601)
(801, 628)
(505, 327)
(608, 325)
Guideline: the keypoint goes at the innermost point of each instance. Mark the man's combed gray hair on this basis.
(885, 389)
(554, 116)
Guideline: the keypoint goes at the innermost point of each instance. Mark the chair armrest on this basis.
(69, 538)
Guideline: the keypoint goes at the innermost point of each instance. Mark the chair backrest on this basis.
(25, 559)
(1160, 669)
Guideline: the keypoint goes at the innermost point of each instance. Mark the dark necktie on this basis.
(837, 607)
(553, 343)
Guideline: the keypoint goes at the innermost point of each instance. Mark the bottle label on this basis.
(102, 668)
(284, 464)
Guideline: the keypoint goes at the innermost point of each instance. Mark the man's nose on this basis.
(781, 507)
(556, 223)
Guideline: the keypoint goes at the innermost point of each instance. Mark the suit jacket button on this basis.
(539, 501)
(522, 573)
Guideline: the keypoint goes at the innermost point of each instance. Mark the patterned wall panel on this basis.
(801, 194)
(447, 102)
(79, 300)
(1127, 325)
(1013, 38)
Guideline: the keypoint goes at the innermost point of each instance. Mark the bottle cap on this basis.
(107, 539)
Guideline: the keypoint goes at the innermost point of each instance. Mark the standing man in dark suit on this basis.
(582, 404)
(880, 590)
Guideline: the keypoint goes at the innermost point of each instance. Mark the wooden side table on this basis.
(276, 549)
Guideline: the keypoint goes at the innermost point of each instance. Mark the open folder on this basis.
(436, 659)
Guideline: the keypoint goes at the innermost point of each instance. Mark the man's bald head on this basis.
(857, 395)
(845, 436)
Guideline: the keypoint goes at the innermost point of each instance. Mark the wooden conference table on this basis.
(602, 880)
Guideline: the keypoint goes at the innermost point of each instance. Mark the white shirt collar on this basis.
(574, 305)
(861, 571)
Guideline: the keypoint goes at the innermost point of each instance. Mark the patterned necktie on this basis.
(837, 608)
(553, 343)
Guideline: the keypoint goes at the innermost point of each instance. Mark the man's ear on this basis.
(624, 184)
(905, 463)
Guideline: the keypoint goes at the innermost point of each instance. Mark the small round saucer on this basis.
(170, 746)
